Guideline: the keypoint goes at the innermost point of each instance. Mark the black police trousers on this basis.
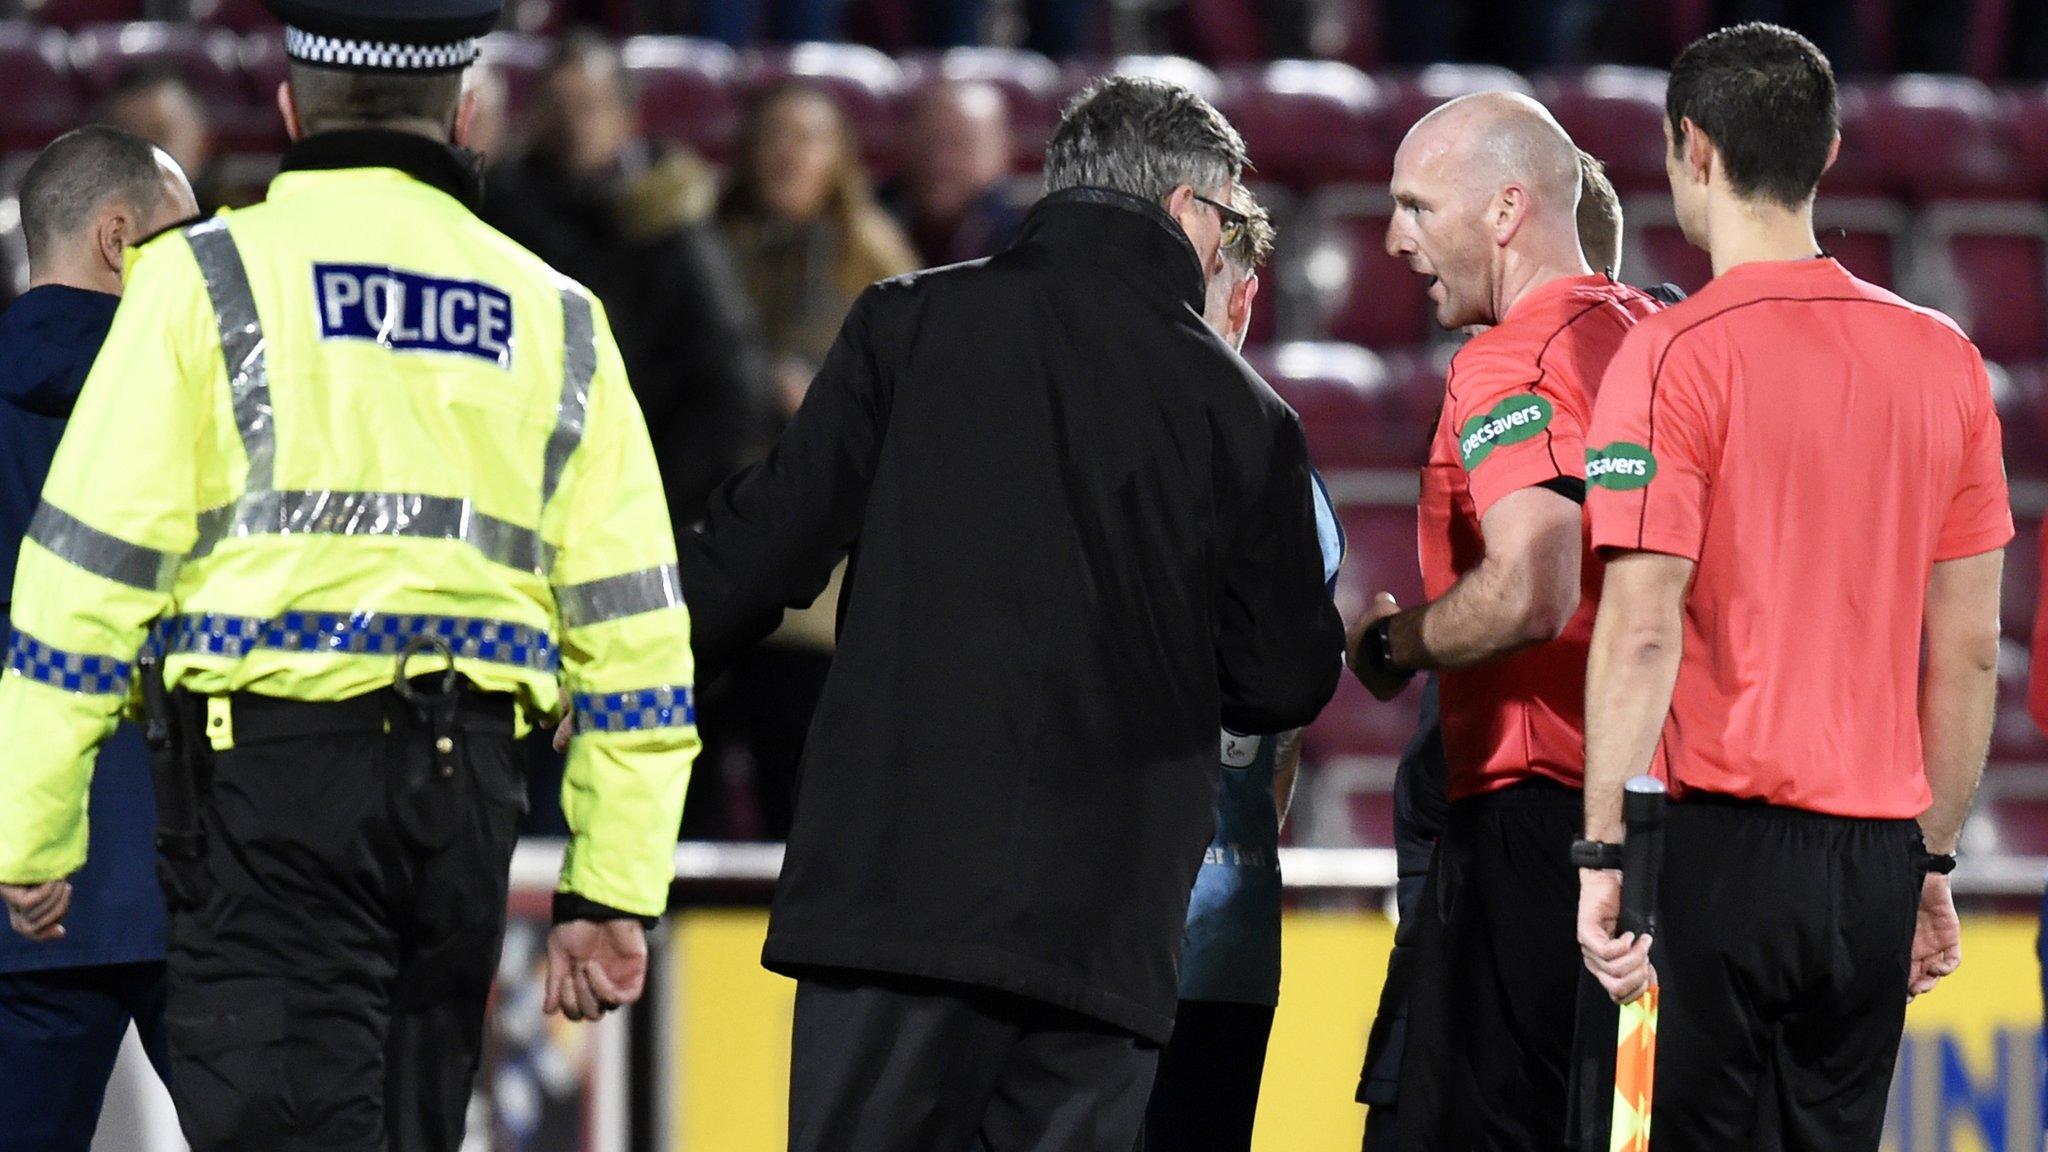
(329, 991)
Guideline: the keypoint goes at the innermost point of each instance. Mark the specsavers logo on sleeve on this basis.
(1512, 421)
(1621, 466)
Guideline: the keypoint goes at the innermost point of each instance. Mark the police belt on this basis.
(256, 719)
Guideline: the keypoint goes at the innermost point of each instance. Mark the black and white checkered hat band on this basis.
(312, 48)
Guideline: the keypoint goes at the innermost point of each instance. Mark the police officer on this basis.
(376, 475)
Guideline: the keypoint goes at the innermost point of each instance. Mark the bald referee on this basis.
(1795, 478)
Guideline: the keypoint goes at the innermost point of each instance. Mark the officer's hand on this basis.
(563, 731)
(595, 967)
(37, 910)
(1937, 937)
(1383, 688)
(1621, 964)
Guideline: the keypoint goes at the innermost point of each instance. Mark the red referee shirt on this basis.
(1814, 443)
(1515, 412)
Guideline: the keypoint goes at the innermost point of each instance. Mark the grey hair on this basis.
(1144, 137)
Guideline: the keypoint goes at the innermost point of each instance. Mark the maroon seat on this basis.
(2022, 394)
(2019, 601)
(1661, 251)
(864, 82)
(1031, 84)
(77, 13)
(1310, 122)
(1938, 137)
(1360, 294)
(1869, 253)
(264, 67)
(239, 15)
(2026, 122)
(688, 90)
(1418, 384)
(1411, 94)
(1346, 398)
(1617, 114)
(1996, 264)
(207, 59)
(39, 101)
(1379, 556)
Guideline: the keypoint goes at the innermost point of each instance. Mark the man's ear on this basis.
(1699, 151)
(288, 106)
(1241, 297)
(1834, 150)
(465, 119)
(111, 236)
(1507, 213)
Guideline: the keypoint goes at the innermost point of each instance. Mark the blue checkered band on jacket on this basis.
(313, 48)
(362, 634)
(71, 671)
(664, 707)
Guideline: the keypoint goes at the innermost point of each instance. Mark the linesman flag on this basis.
(1635, 1045)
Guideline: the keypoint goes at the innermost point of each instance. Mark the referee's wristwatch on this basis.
(1376, 651)
(1599, 855)
(1938, 863)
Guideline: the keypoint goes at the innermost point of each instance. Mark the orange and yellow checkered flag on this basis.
(1635, 1073)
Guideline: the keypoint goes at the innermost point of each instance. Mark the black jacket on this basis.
(1081, 537)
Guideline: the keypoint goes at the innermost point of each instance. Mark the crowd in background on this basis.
(726, 286)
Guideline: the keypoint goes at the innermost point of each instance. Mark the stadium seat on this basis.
(1032, 84)
(2019, 822)
(1988, 267)
(1939, 137)
(2019, 599)
(518, 60)
(1310, 122)
(38, 99)
(2021, 391)
(1417, 376)
(263, 66)
(1345, 397)
(1377, 510)
(208, 59)
(1357, 292)
(78, 13)
(687, 90)
(865, 82)
(1414, 93)
(1617, 114)
(1859, 169)
(2026, 122)
(239, 15)
(1178, 69)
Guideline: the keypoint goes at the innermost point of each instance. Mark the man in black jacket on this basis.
(1081, 536)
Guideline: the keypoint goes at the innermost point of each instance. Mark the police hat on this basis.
(385, 35)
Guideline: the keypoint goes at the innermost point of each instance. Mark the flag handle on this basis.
(1635, 1046)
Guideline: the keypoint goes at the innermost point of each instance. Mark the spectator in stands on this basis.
(629, 218)
(157, 103)
(67, 994)
(956, 154)
(743, 23)
(804, 227)
(1055, 28)
(490, 127)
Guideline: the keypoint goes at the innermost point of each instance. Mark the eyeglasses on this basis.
(1234, 222)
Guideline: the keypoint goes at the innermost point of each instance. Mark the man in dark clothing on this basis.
(607, 207)
(951, 199)
(65, 1004)
(1082, 536)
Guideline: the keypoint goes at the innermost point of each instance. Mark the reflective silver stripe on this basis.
(241, 344)
(76, 542)
(406, 514)
(579, 365)
(616, 597)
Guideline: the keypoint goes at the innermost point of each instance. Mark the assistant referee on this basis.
(1796, 478)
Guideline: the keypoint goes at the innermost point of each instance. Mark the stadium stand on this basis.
(1939, 195)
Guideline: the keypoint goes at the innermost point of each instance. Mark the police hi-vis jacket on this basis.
(321, 427)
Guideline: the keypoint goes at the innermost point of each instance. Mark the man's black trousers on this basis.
(1206, 1096)
(1494, 998)
(329, 992)
(1783, 945)
(892, 1064)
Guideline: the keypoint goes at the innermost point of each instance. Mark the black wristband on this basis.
(1376, 650)
(569, 906)
(1938, 863)
(1596, 854)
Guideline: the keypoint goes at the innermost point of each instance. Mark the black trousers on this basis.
(1494, 997)
(888, 1064)
(1206, 1096)
(329, 992)
(1782, 951)
(60, 1031)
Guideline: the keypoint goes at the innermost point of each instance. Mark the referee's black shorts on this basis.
(1782, 952)
(1493, 1007)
